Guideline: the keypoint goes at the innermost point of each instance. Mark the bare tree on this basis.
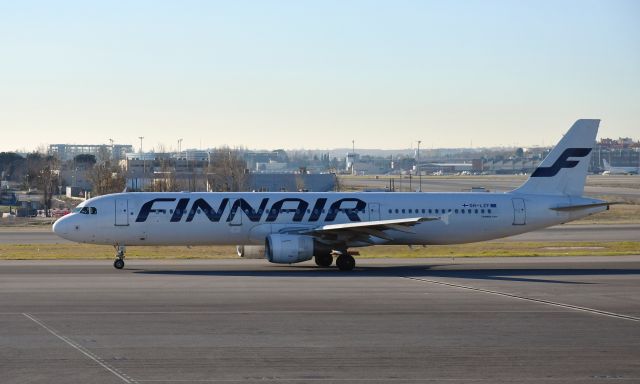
(227, 170)
(43, 174)
(106, 178)
(167, 181)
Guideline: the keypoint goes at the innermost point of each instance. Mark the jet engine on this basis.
(250, 251)
(288, 249)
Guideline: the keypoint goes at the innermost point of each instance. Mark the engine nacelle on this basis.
(288, 249)
(250, 251)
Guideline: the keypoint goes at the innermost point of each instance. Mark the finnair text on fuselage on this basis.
(255, 214)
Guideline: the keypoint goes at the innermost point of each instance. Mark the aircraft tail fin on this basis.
(564, 170)
(607, 166)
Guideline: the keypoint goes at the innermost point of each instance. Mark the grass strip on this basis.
(485, 249)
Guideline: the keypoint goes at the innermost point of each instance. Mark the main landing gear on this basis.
(324, 260)
(344, 260)
(119, 261)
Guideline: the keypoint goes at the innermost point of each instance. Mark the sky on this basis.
(315, 74)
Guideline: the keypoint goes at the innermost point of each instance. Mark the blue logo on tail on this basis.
(562, 162)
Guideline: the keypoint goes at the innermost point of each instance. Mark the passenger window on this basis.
(436, 210)
(488, 211)
(455, 211)
(410, 210)
(403, 211)
(429, 211)
(482, 211)
(396, 210)
(476, 211)
(390, 211)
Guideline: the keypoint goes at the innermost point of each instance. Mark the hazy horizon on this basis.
(316, 74)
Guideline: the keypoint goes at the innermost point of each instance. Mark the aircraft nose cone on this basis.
(61, 227)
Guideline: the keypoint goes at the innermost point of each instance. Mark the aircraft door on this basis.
(122, 212)
(519, 212)
(374, 211)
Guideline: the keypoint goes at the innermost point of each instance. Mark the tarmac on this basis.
(490, 320)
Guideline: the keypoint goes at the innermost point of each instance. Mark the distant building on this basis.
(66, 152)
(350, 162)
(289, 182)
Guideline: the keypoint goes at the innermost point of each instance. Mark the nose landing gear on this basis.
(119, 261)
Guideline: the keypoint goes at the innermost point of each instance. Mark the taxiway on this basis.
(390, 321)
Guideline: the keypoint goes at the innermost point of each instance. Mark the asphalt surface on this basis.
(578, 232)
(614, 187)
(501, 320)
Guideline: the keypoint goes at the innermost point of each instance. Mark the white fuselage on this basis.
(248, 218)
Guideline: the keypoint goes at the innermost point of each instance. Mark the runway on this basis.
(614, 187)
(390, 321)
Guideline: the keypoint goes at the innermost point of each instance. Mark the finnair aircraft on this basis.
(294, 227)
(609, 170)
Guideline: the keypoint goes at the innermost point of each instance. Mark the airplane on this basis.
(609, 170)
(287, 228)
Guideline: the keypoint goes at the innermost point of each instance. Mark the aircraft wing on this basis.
(363, 230)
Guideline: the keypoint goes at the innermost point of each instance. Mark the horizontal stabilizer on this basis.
(583, 206)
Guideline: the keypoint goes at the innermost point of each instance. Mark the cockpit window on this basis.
(86, 210)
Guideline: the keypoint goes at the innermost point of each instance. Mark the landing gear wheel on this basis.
(324, 260)
(345, 262)
(119, 262)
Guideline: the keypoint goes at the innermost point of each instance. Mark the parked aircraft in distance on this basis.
(609, 170)
(294, 227)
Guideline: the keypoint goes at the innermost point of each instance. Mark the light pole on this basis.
(144, 167)
(418, 166)
(353, 157)
(179, 146)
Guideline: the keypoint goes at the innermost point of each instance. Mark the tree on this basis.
(227, 171)
(106, 178)
(12, 166)
(43, 174)
(85, 158)
(168, 181)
